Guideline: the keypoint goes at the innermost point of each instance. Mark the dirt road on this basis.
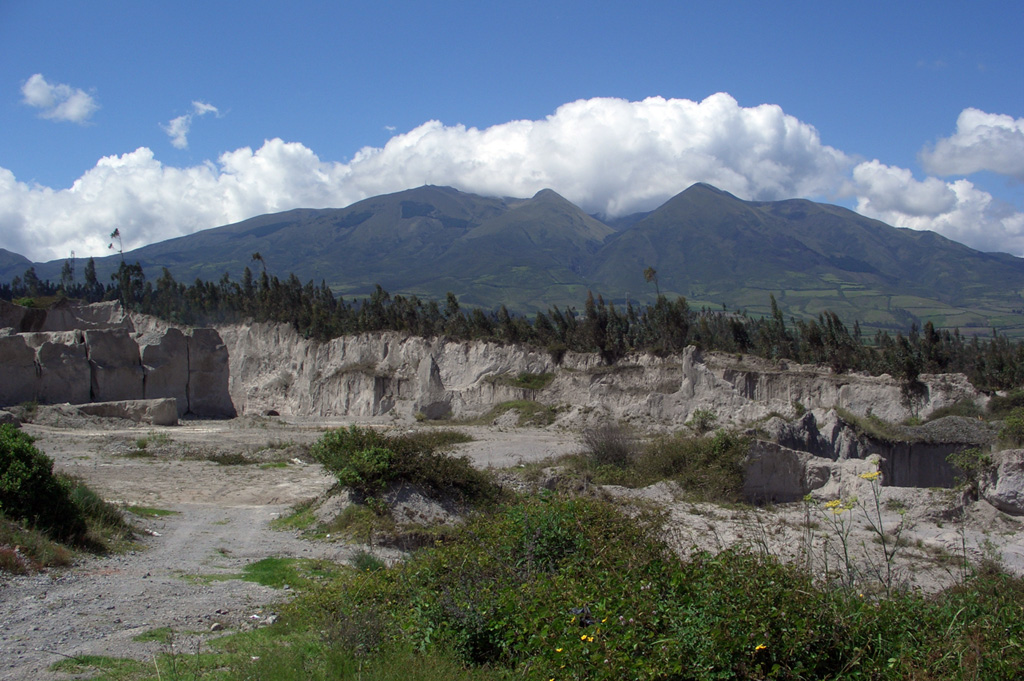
(222, 523)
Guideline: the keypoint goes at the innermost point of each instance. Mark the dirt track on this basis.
(221, 524)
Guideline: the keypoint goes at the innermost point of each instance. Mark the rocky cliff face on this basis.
(93, 353)
(394, 376)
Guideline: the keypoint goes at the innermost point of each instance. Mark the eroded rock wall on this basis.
(390, 375)
(99, 357)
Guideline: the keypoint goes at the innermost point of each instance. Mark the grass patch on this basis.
(873, 426)
(107, 668)
(274, 464)
(526, 380)
(159, 635)
(149, 511)
(296, 573)
(531, 413)
(302, 517)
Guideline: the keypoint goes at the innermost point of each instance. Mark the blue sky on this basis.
(164, 118)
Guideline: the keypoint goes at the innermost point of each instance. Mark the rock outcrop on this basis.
(157, 412)
(396, 376)
(82, 354)
(1003, 484)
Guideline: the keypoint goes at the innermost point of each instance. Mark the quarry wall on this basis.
(93, 353)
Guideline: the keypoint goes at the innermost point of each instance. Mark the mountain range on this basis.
(529, 254)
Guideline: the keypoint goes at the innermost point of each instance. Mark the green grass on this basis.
(302, 517)
(531, 413)
(150, 512)
(297, 573)
(274, 464)
(159, 635)
(873, 426)
(104, 668)
(526, 380)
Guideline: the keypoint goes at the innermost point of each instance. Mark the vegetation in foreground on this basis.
(555, 586)
(46, 517)
(567, 588)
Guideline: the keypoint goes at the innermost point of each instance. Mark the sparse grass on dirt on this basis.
(709, 468)
(526, 380)
(149, 511)
(530, 413)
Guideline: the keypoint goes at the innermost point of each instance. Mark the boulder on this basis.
(7, 418)
(1003, 485)
(774, 473)
(161, 412)
(116, 365)
(208, 375)
(20, 379)
(64, 372)
(165, 366)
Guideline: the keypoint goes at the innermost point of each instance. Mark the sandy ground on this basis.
(224, 511)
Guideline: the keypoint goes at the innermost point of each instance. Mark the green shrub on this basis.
(965, 408)
(709, 468)
(368, 461)
(609, 445)
(1012, 432)
(972, 464)
(1000, 406)
(702, 420)
(30, 492)
(557, 588)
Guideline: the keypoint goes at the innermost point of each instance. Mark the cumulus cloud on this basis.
(957, 210)
(178, 128)
(58, 102)
(608, 156)
(983, 141)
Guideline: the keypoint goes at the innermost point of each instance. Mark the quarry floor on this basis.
(223, 514)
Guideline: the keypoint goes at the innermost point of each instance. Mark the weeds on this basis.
(525, 380)
(530, 413)
(368, 461)
(840, 516)
(708, 468)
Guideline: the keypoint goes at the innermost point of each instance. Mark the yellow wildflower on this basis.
(583, 637)
(835, 503)
(558, 650)
(871, 476)
(760, 647)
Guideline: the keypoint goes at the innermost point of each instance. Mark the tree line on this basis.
(664, 327)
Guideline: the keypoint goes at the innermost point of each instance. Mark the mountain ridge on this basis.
(529, 254)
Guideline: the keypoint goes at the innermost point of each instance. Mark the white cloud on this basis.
(957, 210)
(58, 102)
(983, 141)
(615, 156)
(178, 128)
(606, 155)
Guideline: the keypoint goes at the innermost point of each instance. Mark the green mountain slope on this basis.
(716, 249)
(530, 254)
